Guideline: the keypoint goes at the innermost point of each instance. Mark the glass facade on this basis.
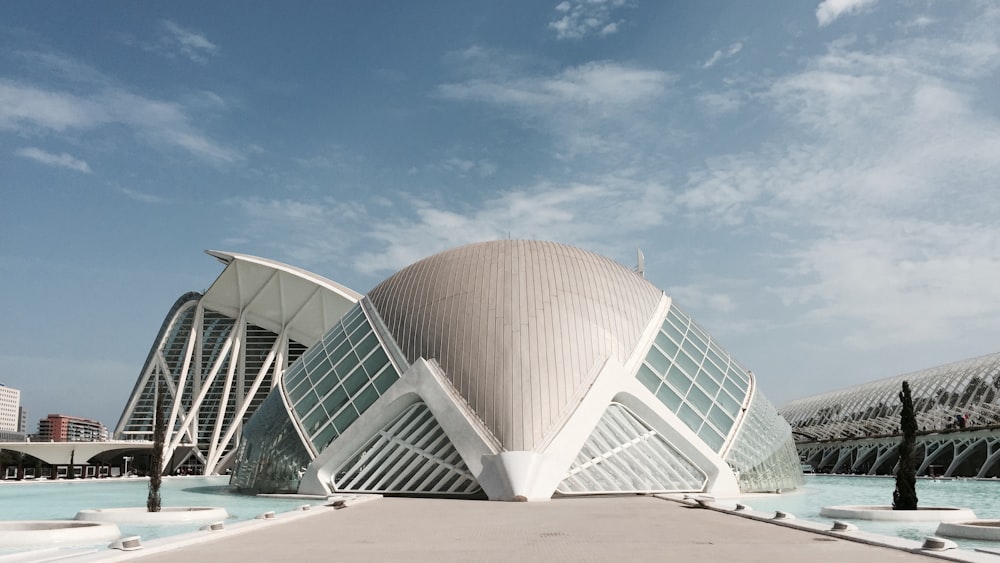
(271, 458)
(338, 379)
(695, 378)
(763, 454)
(624, 454)
(331, 386)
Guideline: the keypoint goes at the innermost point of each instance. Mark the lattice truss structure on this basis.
(940, 395)
(219, 354)
(516, 370)
(963, 453)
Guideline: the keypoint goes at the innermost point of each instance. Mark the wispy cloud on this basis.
(141, 196)
(95, 101)
(721, 54)
(580, 18)
(589, 109)
(465, 167)
(878, 187)
(396, 233)
(61, 160)
(189, 44)
(830, 10)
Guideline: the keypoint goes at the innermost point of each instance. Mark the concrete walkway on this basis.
(633, 528)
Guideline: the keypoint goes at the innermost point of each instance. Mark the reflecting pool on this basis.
(61, 500)
(981, 495)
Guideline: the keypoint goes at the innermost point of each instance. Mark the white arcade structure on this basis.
(218, 355)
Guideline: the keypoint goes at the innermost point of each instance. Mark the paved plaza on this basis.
(632, 528)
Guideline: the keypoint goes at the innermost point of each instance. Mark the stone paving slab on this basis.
(633, 528)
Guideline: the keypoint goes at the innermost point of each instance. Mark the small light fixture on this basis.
(934, 543)
(127, 543)
(213, 527)
(839, 526)
(782, 515)
(269, 515)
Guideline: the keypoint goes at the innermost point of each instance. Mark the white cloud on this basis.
(830, 10)
(141, 196)
(880, 188)
(465, 167)
(578, 19)
(62, 160)
(97, 102)
(598, 108)
(24, 106)
(721, 54)
(597, 215)
(194, 46)
(595, 84)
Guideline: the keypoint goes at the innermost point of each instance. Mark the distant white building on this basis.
(10, 415)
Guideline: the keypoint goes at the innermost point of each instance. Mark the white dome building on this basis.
(516, 370)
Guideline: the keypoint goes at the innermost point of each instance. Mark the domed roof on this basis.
(519, 327)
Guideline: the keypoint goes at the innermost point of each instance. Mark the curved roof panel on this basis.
(275, 296)
(518, 326)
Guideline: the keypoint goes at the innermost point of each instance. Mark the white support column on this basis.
(238, 333)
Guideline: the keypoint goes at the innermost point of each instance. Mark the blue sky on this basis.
(815, 182)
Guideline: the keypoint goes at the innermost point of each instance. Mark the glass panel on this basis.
(718, 357)
(345, 419)
(699, 399)
(720, 419)
(684, 361)
(366, 345)
(313, 359)
(734, 388)
(668, 346)
(365, 399)
(308, 401)
(691, 418)
(668, 398)
(325, 382)
(697, 341)
(337, 348)
(314, 420)
(346, 364)
(375, 361)
(679, 380)
(385, 379)
(657, 360)
(717, 374)
(354, 324)
(728, 404)
(356, 381)
(711, 437)
(336, 400)
(676, 332)
(707, 383)
(649, 379)
(325, 436)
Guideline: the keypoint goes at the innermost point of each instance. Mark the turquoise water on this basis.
(61, 500)
(982, 496)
